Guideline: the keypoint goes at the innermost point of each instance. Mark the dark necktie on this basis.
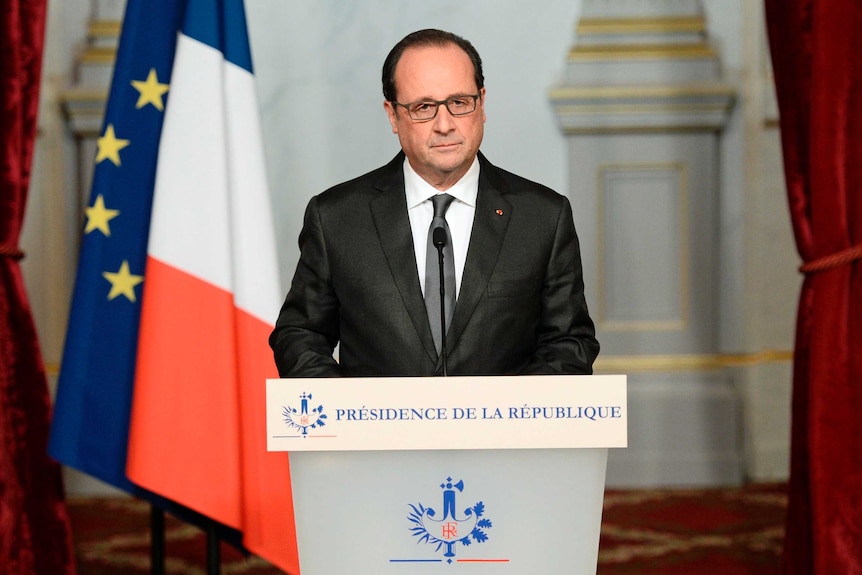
(432, 271)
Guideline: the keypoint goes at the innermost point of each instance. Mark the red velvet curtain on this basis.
(34, 528)
(816, 48)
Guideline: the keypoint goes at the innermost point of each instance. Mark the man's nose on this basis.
(444, 122)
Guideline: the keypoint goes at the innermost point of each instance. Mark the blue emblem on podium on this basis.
(305, 417)
(449, 527)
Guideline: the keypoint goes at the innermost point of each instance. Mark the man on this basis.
(367, 265)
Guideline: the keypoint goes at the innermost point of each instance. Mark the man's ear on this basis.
(391, 112)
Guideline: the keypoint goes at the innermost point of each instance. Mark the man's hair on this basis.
(424, 38)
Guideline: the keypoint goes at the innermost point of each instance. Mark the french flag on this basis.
(161, 390)
(197, 424)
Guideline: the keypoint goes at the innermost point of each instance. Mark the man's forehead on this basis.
(423, 68)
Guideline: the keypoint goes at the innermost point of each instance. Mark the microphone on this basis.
(440, 239)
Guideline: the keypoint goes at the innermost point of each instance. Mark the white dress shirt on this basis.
(459, 216)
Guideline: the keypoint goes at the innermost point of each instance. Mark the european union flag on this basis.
(91, 415)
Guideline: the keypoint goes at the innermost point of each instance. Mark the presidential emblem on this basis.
(448, 528)
(304, 418)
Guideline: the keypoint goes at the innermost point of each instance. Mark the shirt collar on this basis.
(418, 190)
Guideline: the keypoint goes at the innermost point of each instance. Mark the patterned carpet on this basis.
(648, 532)
(670, 532)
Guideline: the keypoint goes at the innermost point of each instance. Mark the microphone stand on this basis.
(439, 239)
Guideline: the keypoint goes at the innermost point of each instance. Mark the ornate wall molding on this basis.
(643, 103)
(652, 69)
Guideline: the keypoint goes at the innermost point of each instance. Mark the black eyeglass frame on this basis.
(437, 103)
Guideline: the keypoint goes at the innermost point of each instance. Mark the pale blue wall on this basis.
(318, 68)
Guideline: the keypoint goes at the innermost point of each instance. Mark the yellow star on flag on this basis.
(109, 146)
(123, 282)
(98, 217)
(151, 91)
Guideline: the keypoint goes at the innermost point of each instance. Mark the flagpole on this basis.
(157, 540)
(213, 550)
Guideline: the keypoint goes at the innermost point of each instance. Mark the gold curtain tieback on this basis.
(835, 260)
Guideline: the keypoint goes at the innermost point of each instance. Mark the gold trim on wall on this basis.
(109, 28)
(667, 25)
(704, 362)
(604, 109)
(99, 55)
(628, 92)
(78, 95)
(680, 324)
(642, 52)
(640, 129)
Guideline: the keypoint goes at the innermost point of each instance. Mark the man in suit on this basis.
(513, 295)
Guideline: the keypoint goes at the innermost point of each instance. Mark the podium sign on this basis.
(446, 413)
(458, 475)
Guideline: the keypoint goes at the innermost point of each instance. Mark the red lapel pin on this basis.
(499, 212)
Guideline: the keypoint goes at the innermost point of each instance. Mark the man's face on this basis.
(440, 150)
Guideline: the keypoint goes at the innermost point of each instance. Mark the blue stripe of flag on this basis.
(220, 24)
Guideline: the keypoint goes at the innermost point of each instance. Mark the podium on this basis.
(478, 475)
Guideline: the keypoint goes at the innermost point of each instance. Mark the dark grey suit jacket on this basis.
(521, 306)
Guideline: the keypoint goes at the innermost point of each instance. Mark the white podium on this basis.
(478, 475)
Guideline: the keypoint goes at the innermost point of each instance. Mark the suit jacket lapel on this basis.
(486, 240)
(389, 210)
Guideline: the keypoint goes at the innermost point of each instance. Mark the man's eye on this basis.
(424, 106)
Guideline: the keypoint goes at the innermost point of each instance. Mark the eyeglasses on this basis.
(425, 110)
